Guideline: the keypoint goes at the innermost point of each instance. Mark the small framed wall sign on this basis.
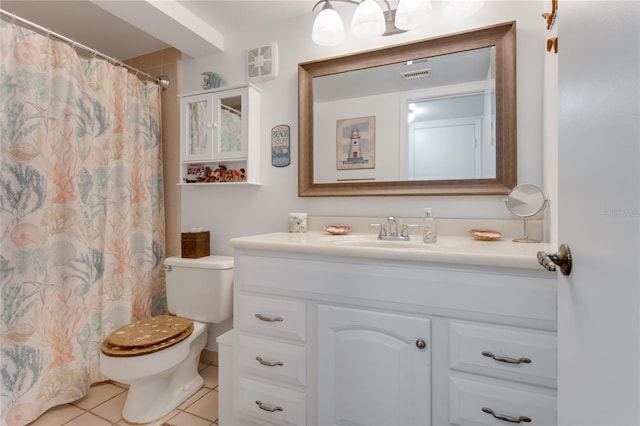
(280, 146)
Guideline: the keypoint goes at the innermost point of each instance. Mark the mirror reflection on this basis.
(434, 120)
(437, 116)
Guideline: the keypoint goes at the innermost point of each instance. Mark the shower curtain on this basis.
(82, 217)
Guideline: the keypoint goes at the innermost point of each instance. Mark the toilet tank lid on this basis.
(208, 262)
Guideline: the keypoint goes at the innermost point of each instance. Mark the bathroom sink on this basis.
(372, 241)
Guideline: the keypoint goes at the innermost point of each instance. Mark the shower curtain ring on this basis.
(13, 19)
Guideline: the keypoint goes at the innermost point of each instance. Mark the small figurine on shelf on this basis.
(210, 177)
(201, 177)
(220, 172)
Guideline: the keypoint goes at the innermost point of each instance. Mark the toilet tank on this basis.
(200, 289)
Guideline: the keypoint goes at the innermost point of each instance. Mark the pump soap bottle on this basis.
(428, 227)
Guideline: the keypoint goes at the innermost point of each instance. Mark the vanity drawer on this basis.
(473, 402)
(273, 360)
(280, 406)
(272, 317)
(503, 352)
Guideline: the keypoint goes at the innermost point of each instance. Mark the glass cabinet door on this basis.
(198, 128)
(232, 140)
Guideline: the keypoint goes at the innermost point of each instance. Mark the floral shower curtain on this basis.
(82, 217)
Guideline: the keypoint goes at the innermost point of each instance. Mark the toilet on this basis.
(158, 357)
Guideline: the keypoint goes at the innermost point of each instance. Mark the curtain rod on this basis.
(162, 81)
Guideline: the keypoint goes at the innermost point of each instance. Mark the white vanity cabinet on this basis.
(367, 341)
(220, 126)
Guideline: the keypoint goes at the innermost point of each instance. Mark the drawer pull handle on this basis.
(269, 409)
(521, 419)
(269, 319)
(507, 359)
(269, 364)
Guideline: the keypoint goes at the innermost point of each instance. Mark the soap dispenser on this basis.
(428, 227)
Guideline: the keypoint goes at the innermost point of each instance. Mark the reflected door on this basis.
(445, 149)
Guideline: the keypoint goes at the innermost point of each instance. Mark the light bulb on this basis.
(327, 28)
(368, 20)
(412, 14)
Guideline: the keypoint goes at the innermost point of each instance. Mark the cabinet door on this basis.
(197, 127)
(373, 368)
(230, 126)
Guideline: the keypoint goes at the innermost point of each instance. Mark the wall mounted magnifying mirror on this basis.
(433, 117)
(525, 201)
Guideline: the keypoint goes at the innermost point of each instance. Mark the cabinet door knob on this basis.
(269, 409)
(421, 344)
(521, 419)
(507, 359)
(269, 319)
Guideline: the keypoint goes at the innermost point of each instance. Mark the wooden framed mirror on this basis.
(354, 112)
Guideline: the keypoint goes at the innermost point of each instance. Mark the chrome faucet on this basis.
(393, 226)
(393, 230)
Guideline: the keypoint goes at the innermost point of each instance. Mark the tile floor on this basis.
(103, 406)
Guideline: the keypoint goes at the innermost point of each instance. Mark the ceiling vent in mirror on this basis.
(262, 63)
(408, 75)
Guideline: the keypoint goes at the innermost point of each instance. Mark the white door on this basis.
(447, 149)
(599, 212)
(374, 368)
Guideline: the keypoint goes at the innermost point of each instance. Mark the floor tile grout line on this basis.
(74, 417)
(125, 390)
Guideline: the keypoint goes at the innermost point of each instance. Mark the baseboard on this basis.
(209, 357)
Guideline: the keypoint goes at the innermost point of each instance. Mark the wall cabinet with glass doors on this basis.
(220, 140)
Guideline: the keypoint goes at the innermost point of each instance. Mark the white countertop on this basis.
(462, 250)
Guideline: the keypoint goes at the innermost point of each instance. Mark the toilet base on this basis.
(151, 400)
(151, 409)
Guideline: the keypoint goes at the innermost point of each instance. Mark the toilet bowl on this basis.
(158, 381)
(162, 374)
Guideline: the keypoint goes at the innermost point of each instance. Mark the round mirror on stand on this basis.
(525, 201)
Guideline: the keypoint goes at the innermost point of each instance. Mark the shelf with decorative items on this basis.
(220, 136)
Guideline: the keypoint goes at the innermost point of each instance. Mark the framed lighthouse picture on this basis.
(355, 143)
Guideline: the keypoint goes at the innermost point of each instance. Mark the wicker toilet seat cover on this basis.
(147, 335)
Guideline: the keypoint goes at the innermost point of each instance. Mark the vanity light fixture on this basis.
(369, 20)
(327, 28)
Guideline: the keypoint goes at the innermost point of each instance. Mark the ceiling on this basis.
(126, 29)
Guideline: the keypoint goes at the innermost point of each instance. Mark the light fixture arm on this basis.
(328, 5)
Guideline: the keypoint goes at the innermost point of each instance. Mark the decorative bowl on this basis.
(485, 234)
(337, 229)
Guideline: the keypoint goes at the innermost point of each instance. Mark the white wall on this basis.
(232, 211)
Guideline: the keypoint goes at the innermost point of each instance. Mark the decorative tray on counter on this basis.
(486, 234)
(337, 229)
